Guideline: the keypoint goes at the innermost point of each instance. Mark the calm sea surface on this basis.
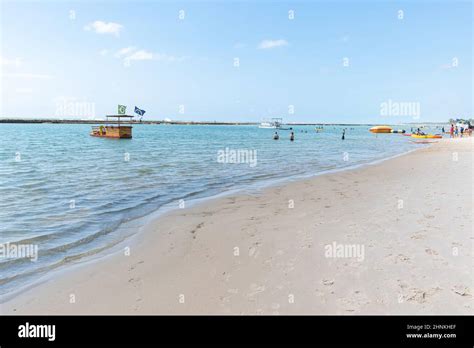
(68, 193)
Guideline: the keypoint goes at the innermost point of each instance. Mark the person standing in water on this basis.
(276, 136)
(343, 134)
(292, 136)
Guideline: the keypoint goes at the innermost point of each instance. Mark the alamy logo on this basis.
(37, 331)
(237, 156)
(19, 251)
(72, 107)
(394, 108)
(336, 250)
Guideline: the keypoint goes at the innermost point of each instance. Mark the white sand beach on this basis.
(402, 231)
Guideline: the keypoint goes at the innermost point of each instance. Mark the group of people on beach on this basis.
(459, 132)
(455, 131)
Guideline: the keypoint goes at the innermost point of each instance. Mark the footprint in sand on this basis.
(132, 267)
(193, 231)
(226, 276)
(224, 299)
(306, 240)
(255, 289)
(431, 251)
(197, 227)
(420, 295)
(319, 293)
(227, 299)
(398, 258)
(269, 262)
(418, 236)
(328, 282)
(287, 266)
(354, 302)
(136, 282)
(462, 290)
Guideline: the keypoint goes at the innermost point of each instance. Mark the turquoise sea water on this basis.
(68, 193)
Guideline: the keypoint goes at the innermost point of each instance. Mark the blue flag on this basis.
(139, 111)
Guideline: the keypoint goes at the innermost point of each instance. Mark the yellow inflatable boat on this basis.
(427, 136)
(381, 129)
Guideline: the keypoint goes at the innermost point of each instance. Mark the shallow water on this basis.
(68, 193)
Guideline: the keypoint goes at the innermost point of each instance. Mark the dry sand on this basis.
(252, 254)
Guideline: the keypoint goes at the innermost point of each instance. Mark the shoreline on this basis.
(144, 221)
(136, 281)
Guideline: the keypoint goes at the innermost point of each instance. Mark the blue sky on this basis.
(333, 62)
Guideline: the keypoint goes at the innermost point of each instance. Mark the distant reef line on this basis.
(207, 123)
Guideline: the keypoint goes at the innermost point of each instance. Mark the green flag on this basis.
(122, 109)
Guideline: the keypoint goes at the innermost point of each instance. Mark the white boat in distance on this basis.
(274, 123)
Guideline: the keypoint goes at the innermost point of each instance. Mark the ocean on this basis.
(67, 195)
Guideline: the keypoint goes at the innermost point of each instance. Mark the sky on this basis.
(304, 61)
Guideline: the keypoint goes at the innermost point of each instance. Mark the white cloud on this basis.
(29, 76)
(103, 52)
(139, 55)
(266, 44)
(168, 58)
(101, 27)
(129, 54)
(124, 51)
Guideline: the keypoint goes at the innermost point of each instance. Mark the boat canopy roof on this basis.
(118, 120)
(118, 116)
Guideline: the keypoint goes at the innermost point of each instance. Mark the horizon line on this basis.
(191, 122)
